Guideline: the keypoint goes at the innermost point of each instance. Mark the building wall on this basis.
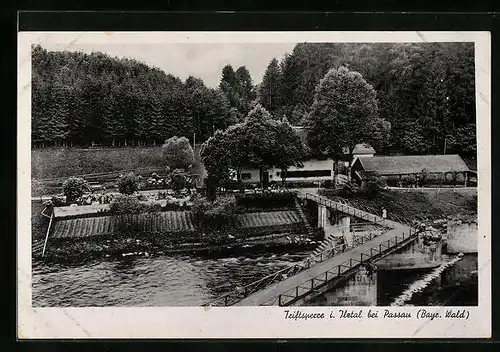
(461, 237)
(250, 175)
(309, 165)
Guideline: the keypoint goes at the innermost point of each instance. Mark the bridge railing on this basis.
(348, 209)
(338, 272)
(245, 291)
(357, 209)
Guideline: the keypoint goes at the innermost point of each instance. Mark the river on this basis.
(193, 281)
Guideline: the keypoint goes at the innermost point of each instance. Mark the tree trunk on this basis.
(335, 172)
(211, 189)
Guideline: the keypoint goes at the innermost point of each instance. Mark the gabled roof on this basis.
(363, 148)
(412, 164)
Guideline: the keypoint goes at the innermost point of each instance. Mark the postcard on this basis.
(254, 185)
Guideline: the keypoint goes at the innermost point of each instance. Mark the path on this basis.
(272, 292)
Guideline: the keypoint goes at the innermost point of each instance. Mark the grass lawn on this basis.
(57, 164)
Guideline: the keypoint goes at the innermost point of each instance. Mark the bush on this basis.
(178, 180)
(74, 188)
(128, 184)
(58, 201)
(125, 204)
(214, 215)
(348, 189)
(328, 184)
(372, 185)
(178, 153)
(266, 200)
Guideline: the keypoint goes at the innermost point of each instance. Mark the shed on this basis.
(387, 166)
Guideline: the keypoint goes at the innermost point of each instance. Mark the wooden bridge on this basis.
(301, 280)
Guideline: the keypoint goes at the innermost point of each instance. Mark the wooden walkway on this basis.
(270, 295)
(307, 281)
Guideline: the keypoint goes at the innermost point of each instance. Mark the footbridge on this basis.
(325, 269)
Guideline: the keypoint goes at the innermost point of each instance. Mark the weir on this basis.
(312, 278)
(346, 276)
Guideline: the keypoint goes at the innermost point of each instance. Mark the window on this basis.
(309, 173)
(278, 174)
(246, 176)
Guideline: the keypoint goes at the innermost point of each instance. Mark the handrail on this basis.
(327, 254)
(341, 269)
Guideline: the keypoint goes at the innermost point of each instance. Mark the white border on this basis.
(244, 322)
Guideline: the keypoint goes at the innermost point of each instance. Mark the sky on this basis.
(201, 60)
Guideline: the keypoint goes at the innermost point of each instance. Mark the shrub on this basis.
(58, 201)
(178, 180)
(266, 200)
(393, 181)
(214, 215)
(178, 153)
(372, 185)
(128, 184)
(328, 184)
(126, 204)
(348, 189)
(74, 188)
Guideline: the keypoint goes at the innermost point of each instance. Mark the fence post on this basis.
(225, 301)
(350, 263)
(312, 284)
(321, 257)
(279, 300)
(326, 276)
(296, 291)
(338, 267)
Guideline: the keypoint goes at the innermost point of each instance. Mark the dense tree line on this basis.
(79, 99)
(425, 90)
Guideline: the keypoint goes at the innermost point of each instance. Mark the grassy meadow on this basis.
(54, 165)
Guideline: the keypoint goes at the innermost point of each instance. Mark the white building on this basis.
(315, 169)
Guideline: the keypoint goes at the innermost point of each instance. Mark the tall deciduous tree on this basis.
(178, 153)
(342, 113)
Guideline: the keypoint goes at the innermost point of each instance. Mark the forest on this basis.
(425, 90)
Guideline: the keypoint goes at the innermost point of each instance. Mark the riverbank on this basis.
(432, 205)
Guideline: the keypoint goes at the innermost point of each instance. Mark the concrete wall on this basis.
(461, 237)
(358, 290)
(334, 224)
(417, 255)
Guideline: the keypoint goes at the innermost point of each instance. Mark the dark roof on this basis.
(412, 164)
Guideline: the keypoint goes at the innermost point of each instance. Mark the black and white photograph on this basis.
(296, 175)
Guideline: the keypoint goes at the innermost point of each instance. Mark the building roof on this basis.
(413, 164)
(363, 148)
